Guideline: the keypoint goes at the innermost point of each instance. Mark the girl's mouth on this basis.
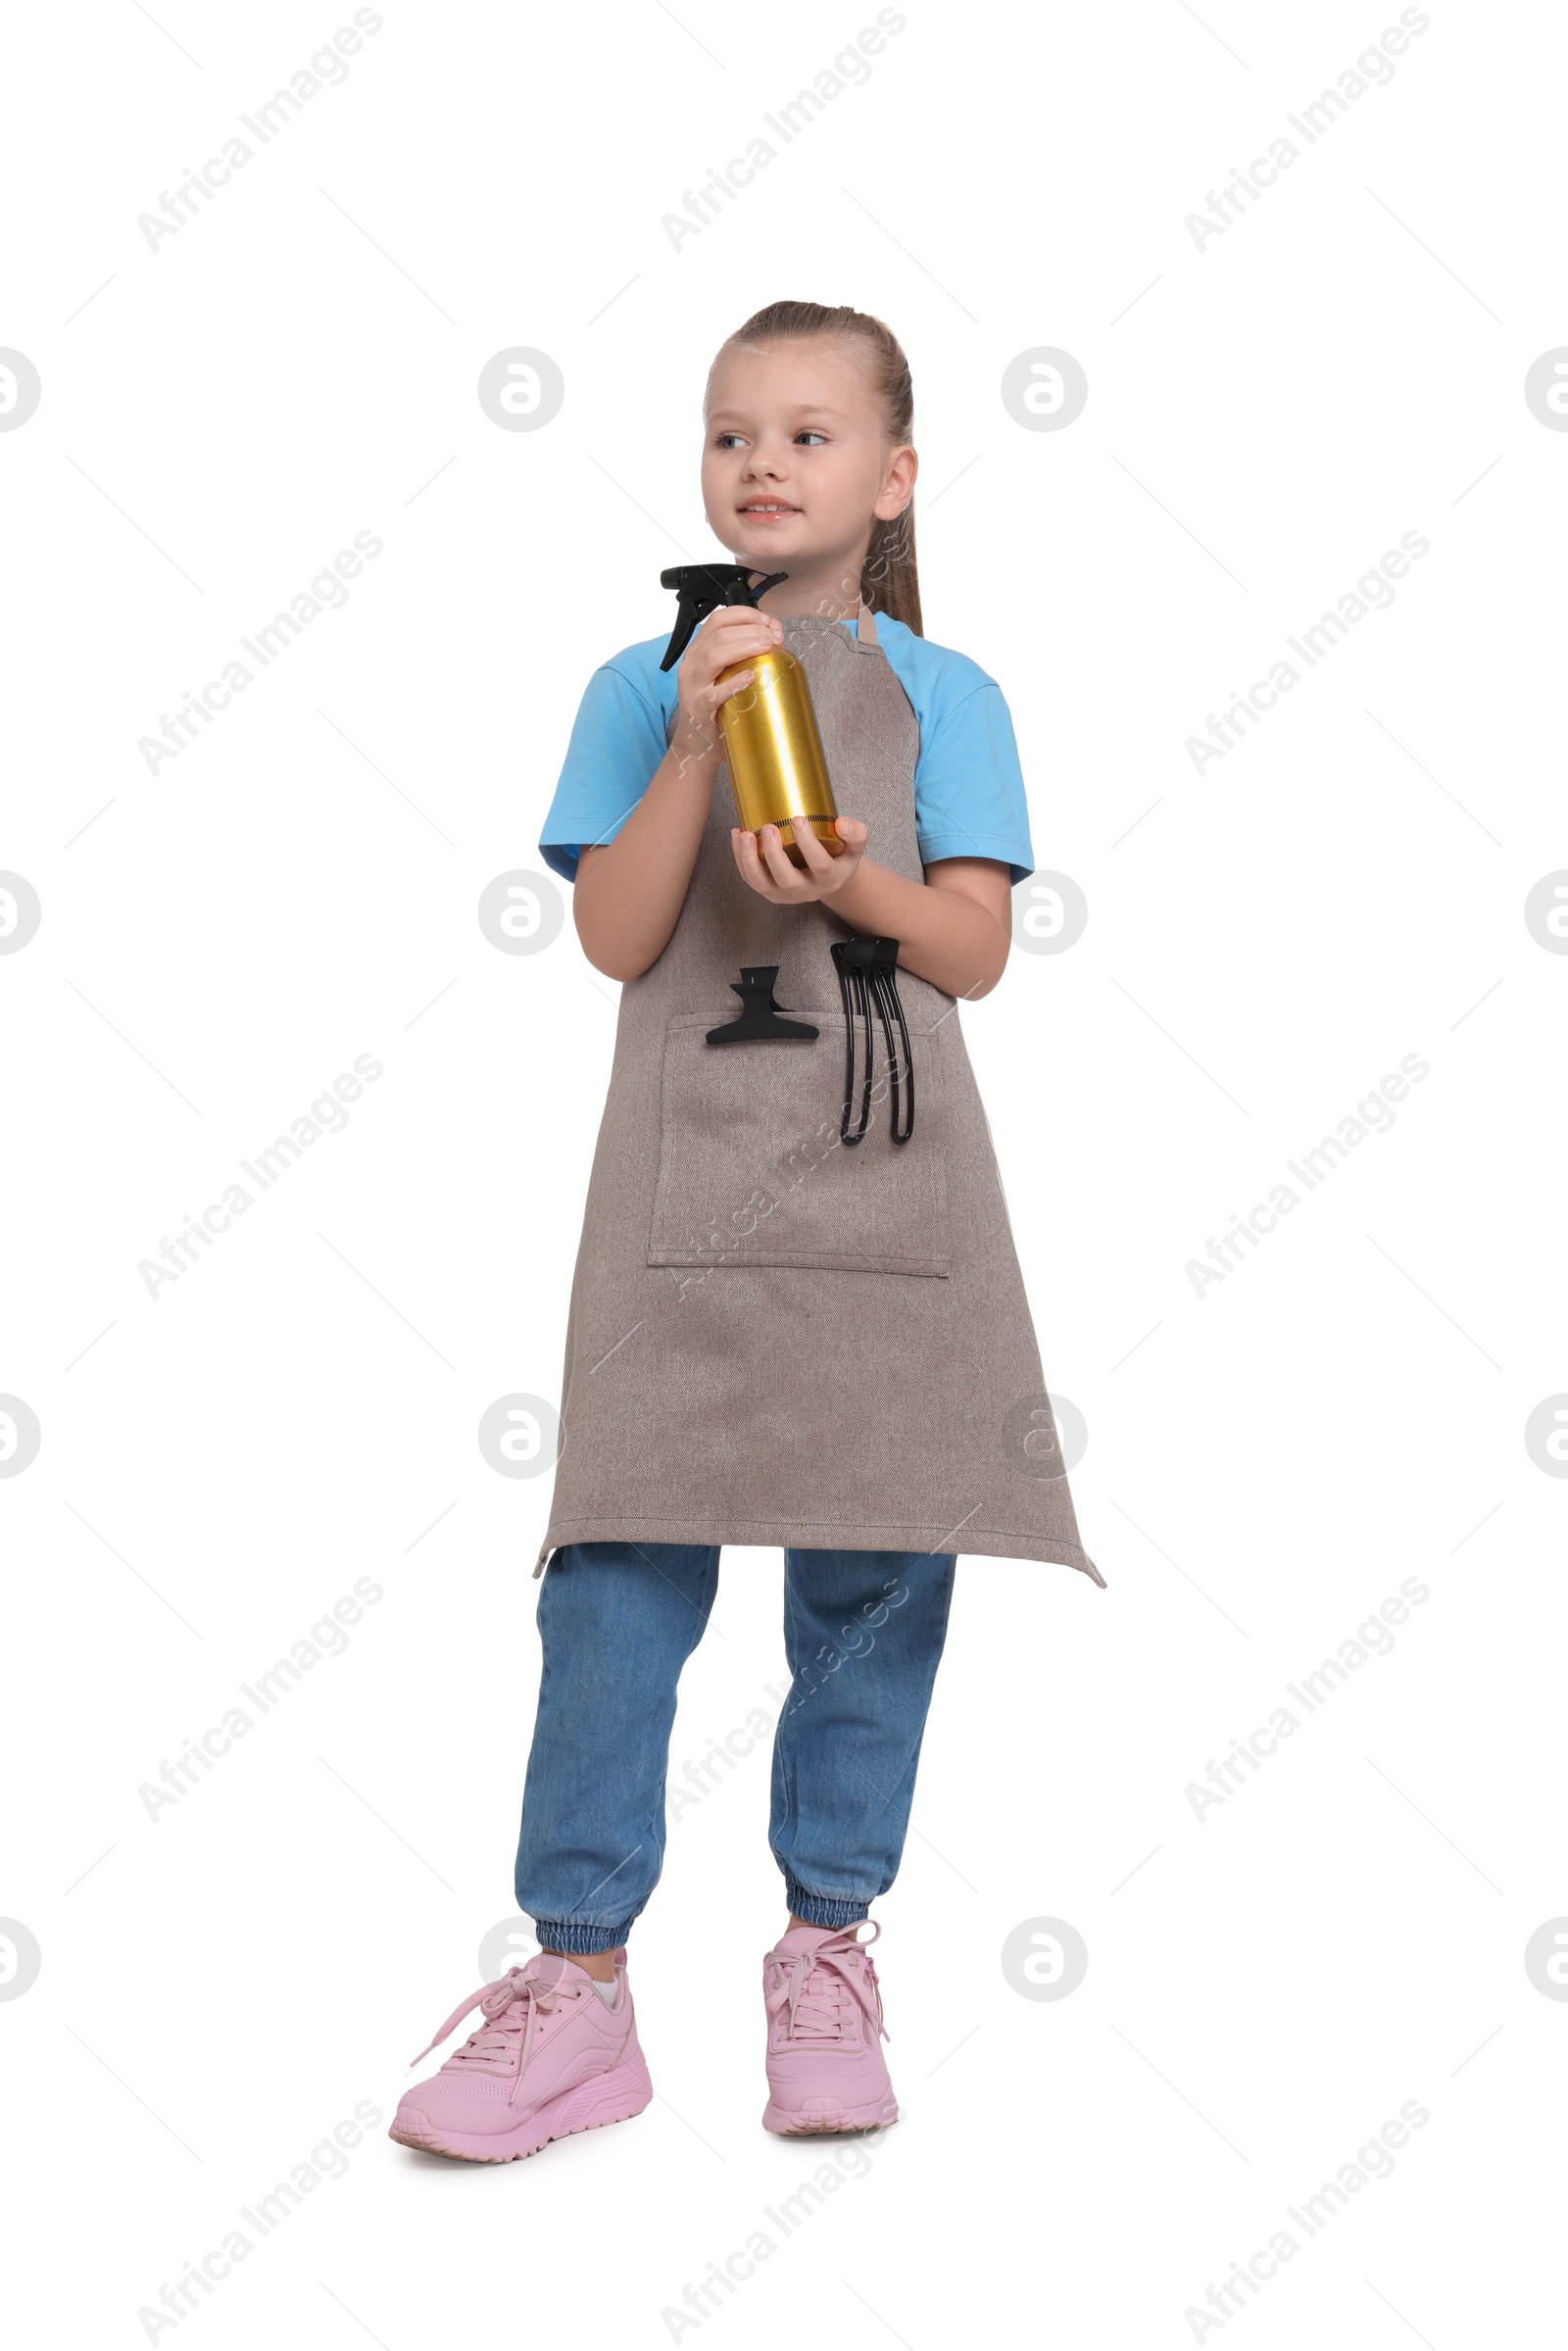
(768, 509)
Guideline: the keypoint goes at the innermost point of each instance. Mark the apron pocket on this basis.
(752, 1171)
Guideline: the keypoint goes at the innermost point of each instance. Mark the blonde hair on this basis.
(889, 580)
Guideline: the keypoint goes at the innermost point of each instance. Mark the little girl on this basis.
(780, 1332)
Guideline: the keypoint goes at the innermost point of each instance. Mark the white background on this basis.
(1265, 416)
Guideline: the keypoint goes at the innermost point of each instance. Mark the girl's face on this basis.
(796, 463)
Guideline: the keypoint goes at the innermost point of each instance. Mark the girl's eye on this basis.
(730, 440)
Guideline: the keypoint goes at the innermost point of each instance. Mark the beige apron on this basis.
(774, 1339)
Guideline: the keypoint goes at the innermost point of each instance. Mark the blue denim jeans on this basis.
(862, 1634)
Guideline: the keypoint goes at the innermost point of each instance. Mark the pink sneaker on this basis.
(824, 2035)
(550, 2058)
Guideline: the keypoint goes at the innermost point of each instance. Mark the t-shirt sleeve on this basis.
(970, 798)
(617, 740)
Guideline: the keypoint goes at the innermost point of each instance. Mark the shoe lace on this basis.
(812, 1985)
(511, 2006)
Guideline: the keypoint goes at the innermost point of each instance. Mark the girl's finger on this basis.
(734, 616)
(738, 633)
(778, 863)
(818, 860)
(751, 865)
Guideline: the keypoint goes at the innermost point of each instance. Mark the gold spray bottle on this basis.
(770, 733)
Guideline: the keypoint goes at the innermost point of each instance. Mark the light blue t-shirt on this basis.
(968, 787)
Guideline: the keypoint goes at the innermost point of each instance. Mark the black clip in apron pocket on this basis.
(869, 974)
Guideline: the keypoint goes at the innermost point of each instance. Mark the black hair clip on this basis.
(867, 970)
(757, 1021)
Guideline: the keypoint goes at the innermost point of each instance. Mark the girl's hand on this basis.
(728, 635)
(773, 877)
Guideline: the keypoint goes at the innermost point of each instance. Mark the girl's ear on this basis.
(899, 487)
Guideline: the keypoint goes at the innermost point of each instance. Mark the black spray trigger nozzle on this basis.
(701, 589)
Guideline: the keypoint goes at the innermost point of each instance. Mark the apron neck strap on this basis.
(865, 625)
